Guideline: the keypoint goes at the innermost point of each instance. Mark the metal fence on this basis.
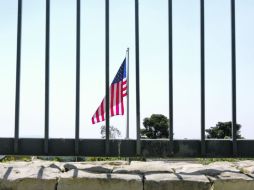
(126, 147)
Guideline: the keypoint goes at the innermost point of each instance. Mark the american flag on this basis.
(117, 91)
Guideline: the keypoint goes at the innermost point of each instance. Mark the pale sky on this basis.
(153, 64)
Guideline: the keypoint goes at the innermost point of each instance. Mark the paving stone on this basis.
(93, 168)
(25, 178)
(212, 169)
(246, 166)
(81, 180)
(232, 181)
(145, 167)
(176, 182)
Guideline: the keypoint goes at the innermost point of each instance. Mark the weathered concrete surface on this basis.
(95, 167)
(144, 167)
(232, 181)
(119, 175)
(80, 180)
(26, 176)
(176, 182)
(213, 169)
(222, 175)
(246, 166)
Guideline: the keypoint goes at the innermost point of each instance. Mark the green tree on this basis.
(113, 132)
(223, 130)
(156, 126)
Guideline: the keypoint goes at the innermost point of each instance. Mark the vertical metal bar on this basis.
(170, 53)
(77, 78)
(18, 58)
(233, 53)
(138, 146)
(46, 133)
(202, 56)
(107, 74)
(128, 94)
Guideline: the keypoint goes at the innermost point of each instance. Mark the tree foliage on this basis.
(156, 126)
(223, 130)
(113, 132)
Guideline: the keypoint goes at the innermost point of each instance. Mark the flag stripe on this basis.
(120, 98)
(99, 113)
(97, 116)
(122, 105)
(102, 110)
(117, 98)
(112, 100)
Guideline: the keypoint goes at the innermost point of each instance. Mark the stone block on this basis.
(26, 178)
(232, 181)
(176, 182)
(93, 168)
(213, 169)
(246, 166)
(145, 167)
(81, 180)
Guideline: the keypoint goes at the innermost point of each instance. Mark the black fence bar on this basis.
(47, 44)
(18, 58)
(202, 71)
(77, 79)
(128, 95)
(107, 74)
(138, 147)
(170, 53)
(233, 53)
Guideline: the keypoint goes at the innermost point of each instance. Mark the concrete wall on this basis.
(119, 175)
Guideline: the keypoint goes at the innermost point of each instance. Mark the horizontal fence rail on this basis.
(126, 147)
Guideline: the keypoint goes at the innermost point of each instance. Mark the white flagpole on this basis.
(128, 93)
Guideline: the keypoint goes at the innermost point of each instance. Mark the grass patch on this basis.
(206, 161)
(16, 158)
